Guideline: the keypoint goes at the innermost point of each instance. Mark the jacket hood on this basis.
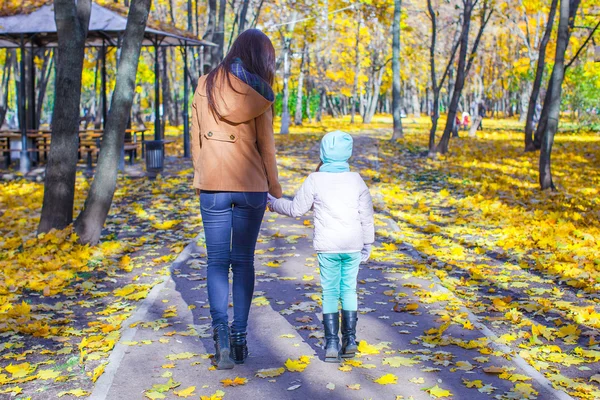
(336, 147)
(237, 103)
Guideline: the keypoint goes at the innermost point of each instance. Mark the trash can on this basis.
(155, 156)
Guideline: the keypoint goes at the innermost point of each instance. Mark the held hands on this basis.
(270, 200)
(365, 254)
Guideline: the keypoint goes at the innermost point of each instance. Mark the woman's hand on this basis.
(197, 192)
(270, 201)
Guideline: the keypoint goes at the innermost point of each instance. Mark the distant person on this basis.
(344, 233)
(233, 149)
(456, 125)
(481, 112)
(466, 120)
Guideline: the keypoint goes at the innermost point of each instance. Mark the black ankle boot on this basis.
(222, 349)
(239, 347)
(349, 346)
(331, 322)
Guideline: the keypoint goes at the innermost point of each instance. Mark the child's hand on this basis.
(365, 254)
(270, 201)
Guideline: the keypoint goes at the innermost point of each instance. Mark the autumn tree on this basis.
(396, 79)
(72, 22)
(464, 65)
(91, 220)
(568, 10)
(537, 82)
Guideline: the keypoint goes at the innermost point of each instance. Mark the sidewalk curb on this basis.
(104, 383)
(537, 376)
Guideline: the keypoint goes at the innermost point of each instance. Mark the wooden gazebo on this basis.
(37, 29)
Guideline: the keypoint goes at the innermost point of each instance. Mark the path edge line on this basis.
(105, 381)
(537, 376)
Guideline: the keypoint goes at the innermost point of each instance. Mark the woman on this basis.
(234, 167)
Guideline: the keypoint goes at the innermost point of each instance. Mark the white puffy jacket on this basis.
(343, 211)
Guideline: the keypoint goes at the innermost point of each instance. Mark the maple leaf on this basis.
(237, 381)
(365, 348)
(180, 356)
(218, 395)
(398, 361)
(270, 372)
(74, 392)
(525, 390)
(185, 392)
(154, 395)
(46, 374)
(297, 365)
(437, 392)
(387, 379)
(472, 384)
(98, 371)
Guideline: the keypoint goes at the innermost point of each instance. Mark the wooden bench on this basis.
(5, 150)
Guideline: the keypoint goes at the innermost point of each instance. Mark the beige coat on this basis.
(237, 152)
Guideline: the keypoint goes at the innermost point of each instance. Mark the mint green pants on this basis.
(339, 272)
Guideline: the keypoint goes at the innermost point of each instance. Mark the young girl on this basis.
(344, 233)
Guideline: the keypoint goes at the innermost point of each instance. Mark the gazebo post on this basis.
(186, 95)
(201, 60)
(157, 127)
(31, 101)
(103, 84)
(24, 162)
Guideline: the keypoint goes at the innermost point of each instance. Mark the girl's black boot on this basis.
(349, 346)
(222, 347)
(239, 347)
(331, 322)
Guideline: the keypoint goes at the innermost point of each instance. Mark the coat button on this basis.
(210, 134)
(232, 137)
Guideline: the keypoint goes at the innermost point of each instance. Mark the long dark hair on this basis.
(255, 50)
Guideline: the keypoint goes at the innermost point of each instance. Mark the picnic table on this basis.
(89, 143)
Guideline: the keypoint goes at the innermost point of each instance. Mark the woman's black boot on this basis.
(222, 347)
(239, 347)
(349, 346)
(331, 322)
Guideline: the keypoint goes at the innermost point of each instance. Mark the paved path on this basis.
(171, 338)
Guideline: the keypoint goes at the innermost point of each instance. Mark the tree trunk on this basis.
(72, 22)
(91, 220)
(322, 105)
(219, 36)
(243, 14)
(285, 112)
(210, 33)
(537, 82)
(543, 122)
(169, 112)
(8, 65)
(374, 97)
(356, 72)
(298, 114)
(42, 85)
(463, 70)
(416, 106)
(524, 100)
(558, 72)
(442, 146)
(396, 79)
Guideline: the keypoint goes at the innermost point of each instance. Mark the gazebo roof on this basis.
(106, 27)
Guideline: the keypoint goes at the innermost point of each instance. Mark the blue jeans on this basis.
(231, 225)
